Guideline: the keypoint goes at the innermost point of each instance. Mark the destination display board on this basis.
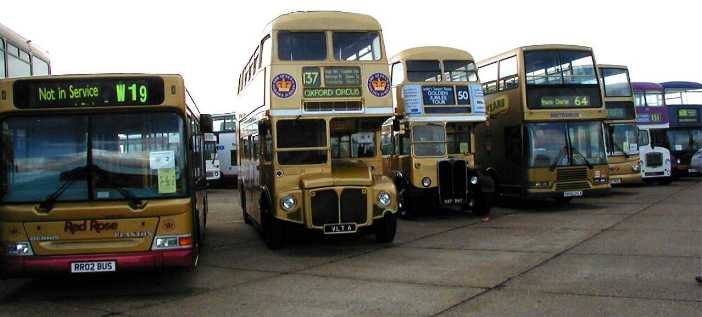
(620, 110)
(564, 101)
(338, 82)
(688, 115)
(438, 95)
(88, 92)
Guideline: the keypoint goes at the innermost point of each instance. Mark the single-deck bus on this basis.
(621, 133)
(313, 97)
(652, 121)
(683, 99)
(224, 127)
(429, 146)
(20, 57)
(543, 137)
(100, 173)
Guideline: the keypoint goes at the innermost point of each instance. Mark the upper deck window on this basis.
(302, 46)
(683, 96)
(616, 81)
(17, 62)
(356, 46)
(39, 67)
(560, 67)
(2, 58)
(423, 71)
(460, 71)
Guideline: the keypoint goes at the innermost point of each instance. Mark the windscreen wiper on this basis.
(621, 148)
(583, 157)
(558, 158)
(134, 201)
(68, 178)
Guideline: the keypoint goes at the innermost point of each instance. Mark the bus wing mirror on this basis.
(206, 123)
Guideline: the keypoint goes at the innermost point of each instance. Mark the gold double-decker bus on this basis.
(312, 98)
(620, 130)
(543, 137)
(100, 173)
(429, 146)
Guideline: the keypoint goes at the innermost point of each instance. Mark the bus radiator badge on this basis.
(284, 85)
(378, 84)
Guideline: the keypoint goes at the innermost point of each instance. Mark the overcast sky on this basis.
(209, 41)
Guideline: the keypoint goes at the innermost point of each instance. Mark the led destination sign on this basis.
(88, 92)
(687, 115)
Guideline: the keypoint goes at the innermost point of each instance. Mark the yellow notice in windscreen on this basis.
(166, 180)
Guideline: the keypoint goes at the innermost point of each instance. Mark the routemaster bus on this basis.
(652, 121)
(313, 97)
(543, 137)
(621, 133)
(683, 99)
(429, 146)
(20, 57)
(100, 173)
(212, 167)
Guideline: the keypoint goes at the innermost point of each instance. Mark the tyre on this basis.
(273, 230)
(404, 207)
(481, 205)
(385, 228)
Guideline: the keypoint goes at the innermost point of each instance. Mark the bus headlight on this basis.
(384, 199)
(172, 242)
(288, 203)
(19, 249)
(474, 180)
(426, 181)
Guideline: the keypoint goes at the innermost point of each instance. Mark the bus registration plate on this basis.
(576, 193)
(615, 180)
(93, 267)
(692, 170)
(339, 228)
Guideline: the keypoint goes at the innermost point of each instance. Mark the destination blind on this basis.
(88, 92)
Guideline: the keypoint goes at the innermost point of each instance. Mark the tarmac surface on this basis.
(633, 252)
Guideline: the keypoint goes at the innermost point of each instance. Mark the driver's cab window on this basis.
(644, 138)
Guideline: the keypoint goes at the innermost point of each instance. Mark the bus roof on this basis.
(611, 66)
(432, 53)
(640, 86)
(325, 20)
(23, 43)
(538, 47)
(681, 85)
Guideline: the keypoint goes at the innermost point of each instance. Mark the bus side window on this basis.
(643, 137)
(397, 74)
(256, 147)
(508, 74)
(488, 76)
(386, 145)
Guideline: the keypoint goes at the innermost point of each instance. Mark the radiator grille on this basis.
(453, 181)
(326, 203)
(572, 174)
(333, 106)
(572, 186)
(654, 159)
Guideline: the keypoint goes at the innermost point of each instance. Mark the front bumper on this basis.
(633, 178)
(22, 266)
(553, 194)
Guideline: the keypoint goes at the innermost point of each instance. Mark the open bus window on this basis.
(419, 71)
(616, 82)
(356, 46)
(460, 71)
(305, 133)
(302, 46)
(429, 140)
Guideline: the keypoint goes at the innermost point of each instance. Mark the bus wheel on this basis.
(563, 200)
(273, 231)
(385, 228)
(481, 205)
(405, 206)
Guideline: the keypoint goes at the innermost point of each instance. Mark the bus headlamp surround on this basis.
(288, 202)
(426, 181)
(384, 199)
(19, 249)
